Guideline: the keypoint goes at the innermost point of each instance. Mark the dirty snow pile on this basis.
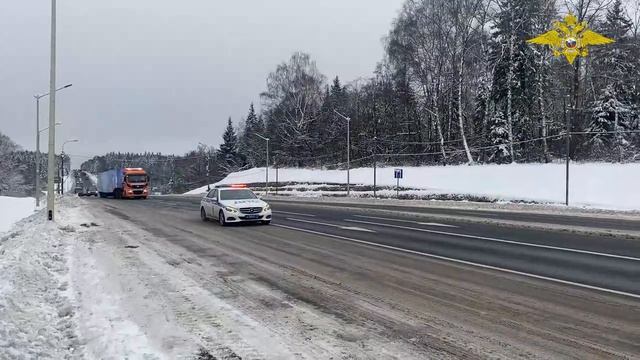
(13, 209)
(598, 185)
(35, 309)
(57, 302)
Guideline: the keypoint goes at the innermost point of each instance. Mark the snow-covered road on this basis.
(149, 280)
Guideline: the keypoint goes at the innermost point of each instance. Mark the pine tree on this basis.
(499, 138)
(616, 67)
(251, 147)
(615, 63)
(515, 80)
(228, 153)
(329, 130)
(609, 121)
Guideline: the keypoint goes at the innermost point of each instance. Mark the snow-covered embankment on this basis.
(13, 209)
(598, 185)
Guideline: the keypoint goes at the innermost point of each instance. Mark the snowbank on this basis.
(14, 209)
(57, 302)
(35, 313)
(600, 185)
(69, 184)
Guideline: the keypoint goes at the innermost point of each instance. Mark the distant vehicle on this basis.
(124, 183)
(84, 190)
(234, 204)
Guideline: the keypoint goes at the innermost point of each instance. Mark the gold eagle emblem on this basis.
(570, 38)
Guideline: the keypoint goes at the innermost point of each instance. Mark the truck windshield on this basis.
(136, 178)
(237, 194)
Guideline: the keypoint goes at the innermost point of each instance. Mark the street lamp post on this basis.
(51, 197)
(62, 165)
(38, 131)
(208, 164)
(266, 181)
(567, 151)
(348, 119)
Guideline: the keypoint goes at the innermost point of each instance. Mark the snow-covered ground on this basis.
(13, 209)
(598, 185)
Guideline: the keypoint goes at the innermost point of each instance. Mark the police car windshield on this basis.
(243, 194)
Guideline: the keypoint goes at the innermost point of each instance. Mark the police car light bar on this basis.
(232, 186)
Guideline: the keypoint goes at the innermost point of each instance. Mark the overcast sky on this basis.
(162, 75)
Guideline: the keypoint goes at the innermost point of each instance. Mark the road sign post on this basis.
(397, 173)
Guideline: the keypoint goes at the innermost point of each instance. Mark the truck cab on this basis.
(135, 183)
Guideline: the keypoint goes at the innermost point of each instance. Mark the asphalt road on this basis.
(585, 220)
(521, 292)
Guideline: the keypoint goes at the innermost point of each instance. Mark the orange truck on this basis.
(124, 183)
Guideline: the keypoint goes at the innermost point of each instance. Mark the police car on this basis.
(234, 204)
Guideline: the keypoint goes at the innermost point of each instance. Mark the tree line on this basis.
(457, 84)
(18, 169)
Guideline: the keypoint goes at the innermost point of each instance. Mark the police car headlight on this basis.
(267, 207)
(231, 209)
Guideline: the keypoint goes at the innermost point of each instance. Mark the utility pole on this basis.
(208, 164)
(61, 172)
(208, 173)
(277, 184)
(348, 119)
(266, 180)
(567, 151)
(375, 166)
(51, 197)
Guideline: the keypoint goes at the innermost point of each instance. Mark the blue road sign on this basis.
(397, 174)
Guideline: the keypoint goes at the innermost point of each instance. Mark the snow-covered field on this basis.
(598, 185)
(13, 209)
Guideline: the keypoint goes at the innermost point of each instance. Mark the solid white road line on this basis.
(498, 240)
(333, 225)
(436, 224)
(560, 281)
(406, 221)
(291, 213)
